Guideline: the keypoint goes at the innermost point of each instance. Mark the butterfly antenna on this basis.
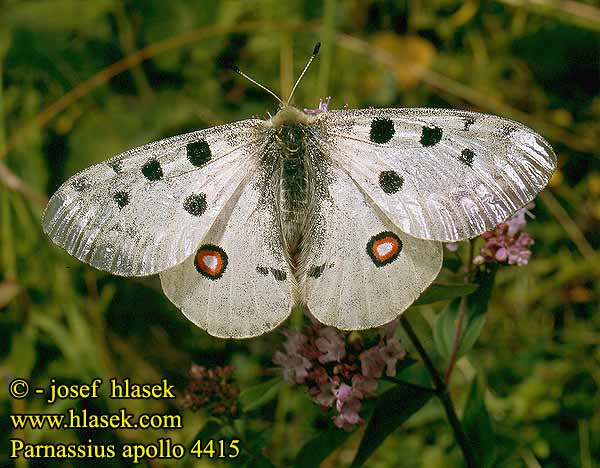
(312, 57)
(241, 73)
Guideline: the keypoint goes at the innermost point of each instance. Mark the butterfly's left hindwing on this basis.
(238, 283)
(147, 209)
(439, 174)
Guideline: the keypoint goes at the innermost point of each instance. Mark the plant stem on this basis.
(420, 388)
(462, 308)
(442, 393)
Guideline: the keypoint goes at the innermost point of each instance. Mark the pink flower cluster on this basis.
(507, 243)
(338, 368)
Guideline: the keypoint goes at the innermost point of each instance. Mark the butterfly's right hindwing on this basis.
(362, 271)
(147, 209)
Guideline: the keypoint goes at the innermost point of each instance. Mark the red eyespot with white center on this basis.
(211, 261)
(384, 248)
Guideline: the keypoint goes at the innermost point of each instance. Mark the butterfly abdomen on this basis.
(295, 188)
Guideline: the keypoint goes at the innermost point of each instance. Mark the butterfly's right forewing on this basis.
(439, 174)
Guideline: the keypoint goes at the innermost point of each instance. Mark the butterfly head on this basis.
(288, 116)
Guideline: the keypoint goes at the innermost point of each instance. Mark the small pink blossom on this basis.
(339, 373)
(507, 243)
(342, 393)
(323, 106)
(295, 341)
(452, 246)
(295, 367)
(324, 394)
(349, 418)
(331, 345)
(391, 353)
(363, 386)
(372, 362)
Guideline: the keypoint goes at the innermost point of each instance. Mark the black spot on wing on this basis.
(467, 156)
(195, 204)
(198, 153)
(382, 130)
(80, 184)
(121, 198)
(279, 275)
(430, 136)
(468, 122)
(506, 131)
(390, 181)
(152, 170)
(316, 271)
(261, 270)
(116, 165)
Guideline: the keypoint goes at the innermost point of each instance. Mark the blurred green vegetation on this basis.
(81, 81)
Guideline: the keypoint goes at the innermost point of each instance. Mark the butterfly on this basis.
(341, 211)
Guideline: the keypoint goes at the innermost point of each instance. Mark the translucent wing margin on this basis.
(252, 294)
(147, 209)
(364, 271)
(439, 174)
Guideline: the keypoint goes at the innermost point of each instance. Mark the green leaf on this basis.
(393, 408)
(442, 292)
(478, 425)
(477, 307)
(259, 395)
(318, 448)
(257, 460)
(444, 329)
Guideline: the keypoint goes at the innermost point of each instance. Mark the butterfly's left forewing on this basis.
(147, 209)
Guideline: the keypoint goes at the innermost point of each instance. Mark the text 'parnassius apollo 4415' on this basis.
(343, 211)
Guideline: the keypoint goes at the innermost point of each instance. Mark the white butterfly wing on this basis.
(248, 291)
(439, 174)
(364, 271)
(147, 209)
